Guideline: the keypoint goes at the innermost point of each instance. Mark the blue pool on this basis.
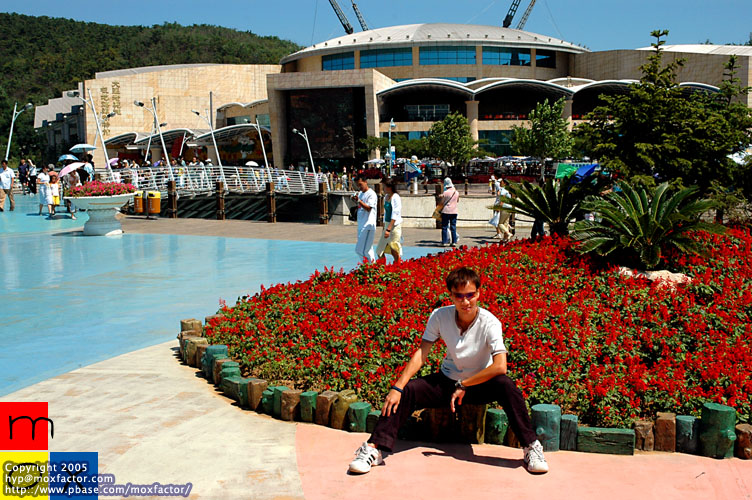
(68, 300)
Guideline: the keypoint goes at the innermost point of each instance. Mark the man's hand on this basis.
(457, 396)
(391, 402)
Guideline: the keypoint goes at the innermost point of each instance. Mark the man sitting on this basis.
(474, 371)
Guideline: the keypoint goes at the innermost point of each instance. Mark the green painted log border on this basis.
(715, 437)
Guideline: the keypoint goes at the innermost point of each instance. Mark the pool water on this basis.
(69, 300)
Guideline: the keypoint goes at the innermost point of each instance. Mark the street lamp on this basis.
(208, 120)
(148, 144)
(90, 102)
(263, 148)
(12, 122)
(304, 135)
(153, 110)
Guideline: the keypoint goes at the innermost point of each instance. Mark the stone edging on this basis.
(715, 434)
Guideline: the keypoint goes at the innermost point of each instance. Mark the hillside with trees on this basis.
(44, 56)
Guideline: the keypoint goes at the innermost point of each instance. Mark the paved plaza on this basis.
(151, 418)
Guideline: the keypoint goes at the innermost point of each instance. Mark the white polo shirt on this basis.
(367, 218)
(471, 352)
(6, 178)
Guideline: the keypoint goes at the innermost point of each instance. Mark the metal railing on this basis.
(202, 179)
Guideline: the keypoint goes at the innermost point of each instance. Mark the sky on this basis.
(596, 24)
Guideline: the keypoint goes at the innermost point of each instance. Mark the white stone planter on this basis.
(102, 211)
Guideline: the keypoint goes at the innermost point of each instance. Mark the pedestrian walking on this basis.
(45, 193)
(23, 175)
(367, 202)
(474, 371)
(391, 238)
(6, 186)
(503, 230)
(32, 177)
(448, 208)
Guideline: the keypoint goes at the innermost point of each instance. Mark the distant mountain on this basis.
(40, 57)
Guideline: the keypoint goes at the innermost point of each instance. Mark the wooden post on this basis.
(172, 200)
(497, 424)
(687, 434)
(271, 203)
(379, 205)
(220, 201)
(357, 415)
(547, 425)
(467, 184)
(568, 436)
(438, 197)
(717, 433)
(323, 204)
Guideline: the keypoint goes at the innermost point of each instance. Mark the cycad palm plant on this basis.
(636, 225)
(553, 203)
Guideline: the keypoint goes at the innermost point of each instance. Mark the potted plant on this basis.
(101, 200)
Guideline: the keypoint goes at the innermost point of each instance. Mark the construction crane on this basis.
(523, 21)
(342, 19)
(511, 13)
(361, 20)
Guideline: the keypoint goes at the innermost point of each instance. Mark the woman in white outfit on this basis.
(45, 193)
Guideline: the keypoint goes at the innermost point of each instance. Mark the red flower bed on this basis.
(96, 188)
(608, 348)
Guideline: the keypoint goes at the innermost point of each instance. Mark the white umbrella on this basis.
(114, 161)
(70, 168)
(79, 148)
(67, 158)
(251, 164)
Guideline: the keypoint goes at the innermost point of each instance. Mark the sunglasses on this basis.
(468, 296)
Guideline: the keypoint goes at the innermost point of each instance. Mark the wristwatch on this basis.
(458, 385)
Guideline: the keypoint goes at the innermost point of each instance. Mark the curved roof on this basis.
(700, 86)
(428, 82)
(242, 104)
(435, 34)
(526, 83)
(169, 135)
(225, 133)
(124, 139)
(702, 48)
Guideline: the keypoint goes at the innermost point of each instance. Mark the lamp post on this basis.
(208, 120)
(391, 155)
(90, 102)
(304, 135)
(153, 110)
(263, 148)
(12, 122)
(148, 144)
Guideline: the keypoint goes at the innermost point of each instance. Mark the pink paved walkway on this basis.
(456, 472)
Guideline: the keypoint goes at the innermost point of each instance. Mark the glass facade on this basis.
(545, 58)
(447, 55)
(498, 142)
(504, 56)
(386, 57)
(336, 62)
(426, 112)
(461, 79)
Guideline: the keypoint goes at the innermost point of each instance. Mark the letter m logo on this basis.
(25, 426)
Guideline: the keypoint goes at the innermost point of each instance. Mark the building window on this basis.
(336, 62)
(263, 120)
(447, 55)
(461, 79)
(545, 58)
(504, 56)
(426, 112)
(386, 57)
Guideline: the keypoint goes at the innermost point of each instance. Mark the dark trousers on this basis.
(537, 229)
(33, 184)
(448, 223)
(435, 391)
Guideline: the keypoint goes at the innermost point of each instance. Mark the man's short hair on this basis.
(462, 276)
(5, 162)
(360, 177)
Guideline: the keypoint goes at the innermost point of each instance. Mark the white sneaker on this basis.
(365, 457)
(534, 459)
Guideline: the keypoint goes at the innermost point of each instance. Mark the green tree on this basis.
(450, 140)
(548, 135)
(638, 224)
(660, 129)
